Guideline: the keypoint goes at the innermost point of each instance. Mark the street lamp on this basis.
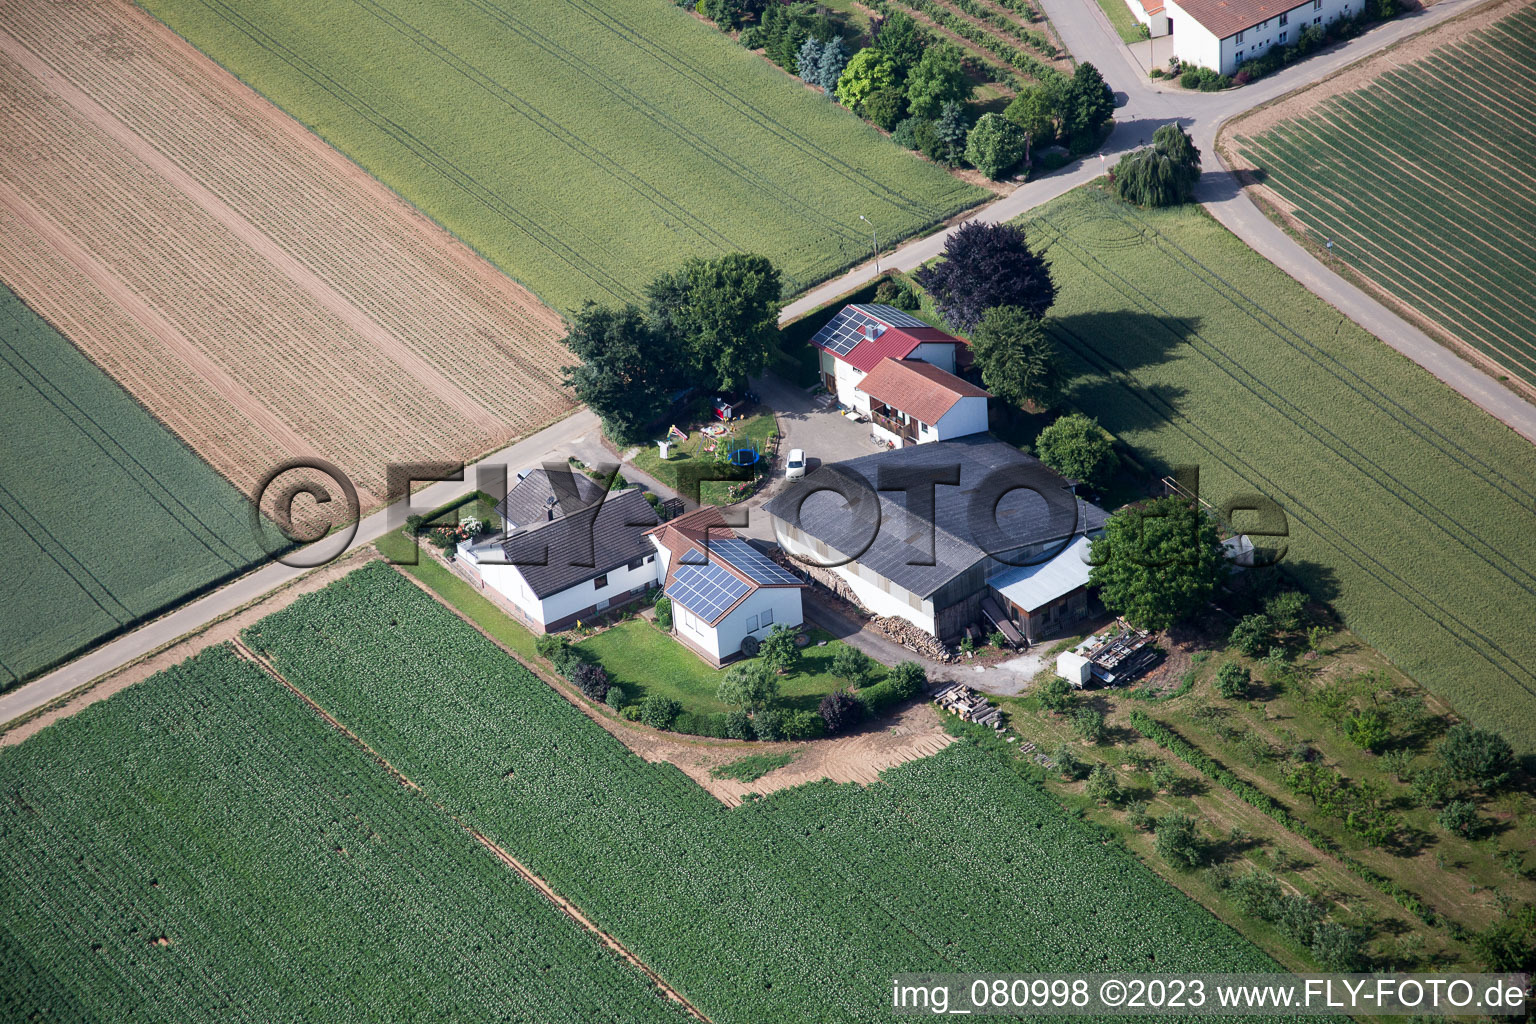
(874, 238)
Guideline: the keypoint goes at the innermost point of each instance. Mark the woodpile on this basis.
(970, 706)
(911, 637)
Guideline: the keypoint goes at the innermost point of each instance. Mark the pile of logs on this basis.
(970, 706)
(910, 637)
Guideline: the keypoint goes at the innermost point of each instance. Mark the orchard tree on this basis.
(868, 71)
(725, 315)
(1103, 786)
(1158, 563)
(1162, 174)
(1177, 841)
(1018, 363)
(1478, 756)
(987, 265)
(1232, 681)
(1078, 448)
(1252, 634)
(628, 370)
(938, 78)
(779, 651)
(852, 666)
(995, 146)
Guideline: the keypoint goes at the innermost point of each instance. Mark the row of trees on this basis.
(711, 324)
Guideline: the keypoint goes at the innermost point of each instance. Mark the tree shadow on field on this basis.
(1105, 350)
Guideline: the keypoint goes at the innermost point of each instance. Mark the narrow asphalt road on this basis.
(1145, 104)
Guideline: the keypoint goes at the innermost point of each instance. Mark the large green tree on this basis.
(1077, 447)
(995, 146)
(902, 40)
(749, 685)
(1162, 174)
(1034, 111)
(724, 314)
(1158, 563)
(1088, 103)
(1018, 363)
(938, 78)
(627, 370)
(869, 71)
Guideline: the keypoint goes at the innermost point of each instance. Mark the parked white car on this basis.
(794, 466)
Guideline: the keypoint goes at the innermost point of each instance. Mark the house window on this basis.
(767, 617)
(1239, 56)
(1285, 19)
(601, 581)
(649, 559)
(637, 563)
(1317, 5)
(1240, 37)
(751, 623)
(1317, 20)
(1264, 24)
(1283, 35)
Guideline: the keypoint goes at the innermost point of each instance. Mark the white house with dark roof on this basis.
(913, 402)
(861, 336)
(1222, 34)
(570, 551)
(725, 593)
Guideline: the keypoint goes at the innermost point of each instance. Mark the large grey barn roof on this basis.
(990, 473)
(617, 537)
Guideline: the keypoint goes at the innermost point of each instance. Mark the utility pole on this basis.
(873, 238)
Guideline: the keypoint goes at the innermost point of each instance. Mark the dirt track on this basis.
(258, 292)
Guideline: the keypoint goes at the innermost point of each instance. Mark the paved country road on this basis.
(1145, 106)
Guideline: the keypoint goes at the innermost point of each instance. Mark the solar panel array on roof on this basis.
(751, 561)
(846, 329)
(706, 590)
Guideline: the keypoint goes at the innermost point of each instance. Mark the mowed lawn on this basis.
(1409, 508)
(1423, 180)
(645, 660)
(107, 517)
(583, 147)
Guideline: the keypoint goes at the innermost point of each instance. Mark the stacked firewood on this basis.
(910, 636)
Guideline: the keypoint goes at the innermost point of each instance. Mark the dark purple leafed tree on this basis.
(987, 265)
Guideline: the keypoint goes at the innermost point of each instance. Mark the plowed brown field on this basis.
(258, 292)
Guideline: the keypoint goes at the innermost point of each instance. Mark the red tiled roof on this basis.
(1223, 18)
(919, 389)
(893, 341)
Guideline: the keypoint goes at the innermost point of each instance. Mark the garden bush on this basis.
(659, 712)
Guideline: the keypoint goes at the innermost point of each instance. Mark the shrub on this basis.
(1137, 817)
(1068, 763)
(804, 725)
(1103, 785)
(1089, 724)
(1056, 695)
(1433, 786)
(664, 612)
(631, 713)
(1178, 842)
(1190, 79)
(614, 697)
(885, 106)
(1478, 756)
(1078, 448)
(1155, 73)
(779, 650)
(1252, 634)
(893, 292)
(852, 666)
(590, 679)
(738, 725)
(995, 145)
(547, 644)
(840, 710)
(908, 679)
(659, 712)
(1459, 817)
(1287, 609)
(879, 698)
(768, 724)
(905, 134)
(1232, 680)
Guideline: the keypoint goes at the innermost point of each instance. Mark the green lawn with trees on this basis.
(583, 148)
(1407, 507)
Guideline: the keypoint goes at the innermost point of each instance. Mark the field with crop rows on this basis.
(105, 517)
(203, 847)
(1424, 181)
(794, 908)
(1408, 506)
(583, 147)
(257, 292)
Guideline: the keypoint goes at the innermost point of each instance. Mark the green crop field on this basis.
(1409, 508)
(203, 847)
(583, 147)
(797, 907)
(1423, 181)
(106, 518)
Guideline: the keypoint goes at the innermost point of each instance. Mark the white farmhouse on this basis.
(860, 337)
(725, 593)
(567, 556)
(1222, 34)
(912, 402)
